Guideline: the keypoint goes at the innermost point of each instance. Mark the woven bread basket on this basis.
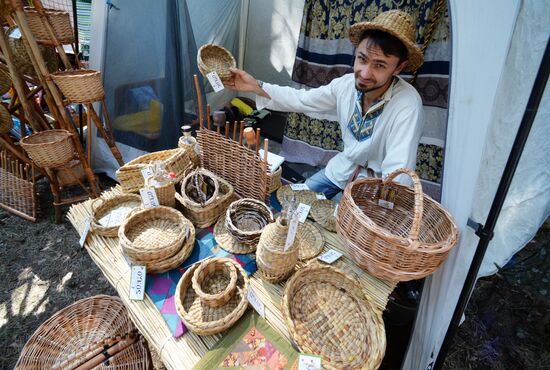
(49, 148)
(153, 234)
(328, 314)
(6, 123)
(245, 219)
(322, 212)
(274, 180)
(166, 194)
(302, 196)
(203, 319)
(5, 81)
(21, 59)
(206, 216)
(80, 86)
(215, 58)
(407, 242)
(199, 188)
(102, 209)
(80, 332)
(60, 22)
(214, 281)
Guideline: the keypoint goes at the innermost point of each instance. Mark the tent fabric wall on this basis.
(496, 54)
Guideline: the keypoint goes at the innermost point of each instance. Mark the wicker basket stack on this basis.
(215, 58)
(159, 238)
(208, 298)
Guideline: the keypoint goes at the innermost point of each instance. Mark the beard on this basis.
(371, 85)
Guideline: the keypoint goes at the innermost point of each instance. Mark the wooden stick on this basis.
(241, 133)
(257, 141)
(266, 144)
(199, 98)
(226, 129)
(235, 130)
(249, 136)
(208, 116)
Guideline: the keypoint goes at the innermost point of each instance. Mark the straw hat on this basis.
(398, 24)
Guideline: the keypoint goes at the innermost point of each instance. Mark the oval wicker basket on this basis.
(6, 123)
(5, 81)
(21, 59)
(407, 242)
(49, 148)
(60, 22)
(120, 203)
(215, 58)
(203, 319)
(153, 234)
(322, 212)
(192, 188)
(79, 332)
(246, 218)
(80, 86)
(214, 281)
(328, 314)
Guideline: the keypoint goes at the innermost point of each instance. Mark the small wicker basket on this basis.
(409, 241)
(166, 194)
(49, 148)
(200, 188)
(246, 218)
(274, 180)
(215, 58)
(120, 203)
(6, 123)
(80, 86)
(214, 281)
(60, 22)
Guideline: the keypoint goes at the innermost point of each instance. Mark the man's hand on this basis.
(242, 81)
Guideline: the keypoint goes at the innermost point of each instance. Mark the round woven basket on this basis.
(80, 86)
(328, 314)
(302, 196)
(102, 209)
(408, 241)
(203, 319)
(310, 241)
(275, 180)
(5, 81)
(49, 148)
(166, 194)
(21, 59)
(80, 331)
(246, 218)
(60, 22)
(153, 234)
(322, 212)
(199, 188)
(214, 281)
(6, 123)
(215, 58)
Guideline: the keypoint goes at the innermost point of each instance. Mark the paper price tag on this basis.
(298, 187)
(292, 230)
(385, 204)
(255, 301)
(146, 172)
(302, 211)
(335, 210)
(149, 197)
(309, 362)
(330, 256)
(215, 81)
(137, 283)
(321, 196)
(113, 218)
(85, 232)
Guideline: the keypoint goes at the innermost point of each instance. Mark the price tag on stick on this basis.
(292, 229)
(85, 232)
(149, 197)
(215, 81)
(302, 211)
(137, 283)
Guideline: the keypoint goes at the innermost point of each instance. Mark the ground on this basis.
(44, 269)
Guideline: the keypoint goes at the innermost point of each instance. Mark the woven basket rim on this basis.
(139, 162)
(105, 206)
(229, 289)
(65, 134)
(32, 9)
(75, 73)
(217, 49)
(223, 185)
(190, 202)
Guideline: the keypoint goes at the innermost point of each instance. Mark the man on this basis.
(380, 115)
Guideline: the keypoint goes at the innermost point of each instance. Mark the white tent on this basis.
(496, 50)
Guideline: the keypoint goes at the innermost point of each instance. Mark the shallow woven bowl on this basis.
(322, 211)
(329, 315)
(214, 281)
(246, 218)
(215, 58)
(109, 205)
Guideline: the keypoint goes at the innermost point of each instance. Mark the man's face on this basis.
(373, 69)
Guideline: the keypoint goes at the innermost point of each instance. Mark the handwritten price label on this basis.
(149, 197)
(321, 196)
(302, 211)
(330, 256)
(292, 230)
(215, 81)
(146, 172)
(309, 362)
(255, 301)
(299, 187)
(137, 283)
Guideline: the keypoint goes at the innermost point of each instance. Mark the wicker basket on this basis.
(60, 22)
(328, 314)
(166, 194)
(82, 331)
(103, 208)
(21, 59)
(5, 81)
(274, 180)
(310, 240)
(322, 212)
(206, 216)
(6, 123)
(214, 281)
(215, 58)
(80, 86)
(274, 263)
(407, 242)
(301, 196)
(153, 233)
(174, 160)
(192, 188)
(203, 319)
(49, 148)
(246, 218)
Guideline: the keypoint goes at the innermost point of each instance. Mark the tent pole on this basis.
(485, 232)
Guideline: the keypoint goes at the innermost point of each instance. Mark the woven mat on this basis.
(184, 352)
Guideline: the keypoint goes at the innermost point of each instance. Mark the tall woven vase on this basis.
(276, 264)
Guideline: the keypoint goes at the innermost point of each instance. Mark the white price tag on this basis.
(149, 197)
(309, 362)
(215, 81)
(330, 256)
(255, 302)
(302, 211)
(385, 204)
(146, 172)
(137, 283)
(335, 210)
(113, 218)
(321, 196)
(292, 229)
(85, 232)
(298, 187)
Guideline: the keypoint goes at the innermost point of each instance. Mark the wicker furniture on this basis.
(215, 58)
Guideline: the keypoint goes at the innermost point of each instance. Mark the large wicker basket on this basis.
(6, 123)
(407, 242)
(49, 148)
(80, 86)
(60, 22)
(215, 58)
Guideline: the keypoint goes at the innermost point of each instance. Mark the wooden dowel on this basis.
(257, 141)
(227, 129)
(199, 98)
(235, 130)
(208, 117)
(266, 144)
(241, 133)
(249, 136)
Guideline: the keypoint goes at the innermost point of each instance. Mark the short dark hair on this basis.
(389, 44)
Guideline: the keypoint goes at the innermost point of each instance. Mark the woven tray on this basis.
(102, 209)
(49, 148)
(310, 241)
(301, 196)
(215, 58)
(214, 281)
(153, 233)
(322, 212)
(203, 319)
(328, 314)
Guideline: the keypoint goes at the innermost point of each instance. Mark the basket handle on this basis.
(418, 198)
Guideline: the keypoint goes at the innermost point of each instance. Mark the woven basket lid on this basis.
(203, 319)
(322, 211)
(310, 240)
(302, 196)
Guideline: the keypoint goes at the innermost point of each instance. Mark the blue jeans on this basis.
(320, 183)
